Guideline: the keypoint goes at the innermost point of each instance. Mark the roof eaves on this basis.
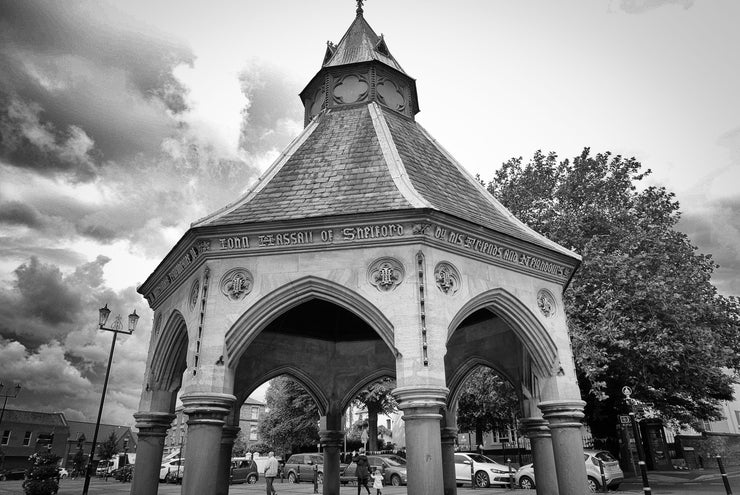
(495, 203)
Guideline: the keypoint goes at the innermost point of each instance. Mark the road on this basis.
(700, 483)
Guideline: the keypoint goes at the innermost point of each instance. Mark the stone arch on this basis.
(169, 359)
(308, 383)
(525, 325)
(368, 379)
(454, 383)
(269, 307)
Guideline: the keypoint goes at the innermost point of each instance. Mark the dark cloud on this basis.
(714, 229)
(17, 213)
(82, 85)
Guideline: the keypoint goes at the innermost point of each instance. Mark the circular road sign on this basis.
(626, 391)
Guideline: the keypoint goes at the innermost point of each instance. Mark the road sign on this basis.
(624, 419)
(626, 391)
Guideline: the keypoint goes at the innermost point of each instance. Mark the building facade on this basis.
(27, 432)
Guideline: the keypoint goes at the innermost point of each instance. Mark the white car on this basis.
(612, 472)
(487, 471)
(170, 467)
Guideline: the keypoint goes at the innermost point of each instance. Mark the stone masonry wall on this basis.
(707, 446)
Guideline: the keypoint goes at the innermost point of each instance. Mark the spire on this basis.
(359, 7)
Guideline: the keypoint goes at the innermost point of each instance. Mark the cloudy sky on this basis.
(122, 122)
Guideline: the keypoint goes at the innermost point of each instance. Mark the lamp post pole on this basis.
(116, 328)
(5, 397)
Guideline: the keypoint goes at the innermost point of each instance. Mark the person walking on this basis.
(271, 471)
(363, 471)
(377, 481)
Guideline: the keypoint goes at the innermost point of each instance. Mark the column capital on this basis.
(563, 413)
(331, 438)
(207, 408)
(421, 402)
(536, 427)
(153, 423)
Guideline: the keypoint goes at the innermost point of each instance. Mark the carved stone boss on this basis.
(385, 274)
(447, 278)
(546, 303)
(237, 283)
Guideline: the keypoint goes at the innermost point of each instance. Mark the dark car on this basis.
(300, 467)
(124, 474)
(243, 470)
(12, 474)
(392, 467)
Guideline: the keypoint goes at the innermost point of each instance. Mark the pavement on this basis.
(681, 482)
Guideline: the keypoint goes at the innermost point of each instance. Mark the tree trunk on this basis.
(478, 436)
(372, 428)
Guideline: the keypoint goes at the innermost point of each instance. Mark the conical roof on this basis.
(368, 155)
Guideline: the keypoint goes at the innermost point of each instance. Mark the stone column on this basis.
(228, 435)
(206, 416)
(152, 428)
(421, 406)
(564, 417)
(331, 441)
(538, 432)
(449, 435)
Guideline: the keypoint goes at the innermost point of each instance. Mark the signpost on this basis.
(627, 391)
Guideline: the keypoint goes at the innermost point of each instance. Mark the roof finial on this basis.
(359, 7)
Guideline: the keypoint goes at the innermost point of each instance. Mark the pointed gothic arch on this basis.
(371, 378)
(304, 379)
(263, 312)
(169, 359)
(525, 325)
(455, 382)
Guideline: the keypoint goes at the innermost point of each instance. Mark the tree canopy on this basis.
(108, 448)
(377, 398)
(292, 416)
(642, 310)
(487, 402)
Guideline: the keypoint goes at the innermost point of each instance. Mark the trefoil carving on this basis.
(447, 278)
(546, 303)
(385, 274)
(237, 283)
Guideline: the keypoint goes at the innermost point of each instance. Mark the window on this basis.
(255, 412)
(27, 439)
(253, 432)
(6, 437)
(388, 423)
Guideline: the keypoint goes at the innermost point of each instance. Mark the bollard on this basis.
(472, 475)
(511, 475)
(640, 455)
(604, 489)
(728, 490)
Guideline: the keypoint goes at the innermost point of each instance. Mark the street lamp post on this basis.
(5, 397)
(116, 328)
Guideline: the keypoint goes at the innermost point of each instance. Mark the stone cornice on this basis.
(425, 226)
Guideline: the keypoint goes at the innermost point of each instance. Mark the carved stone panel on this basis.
(391, 95)
(194, 293)
(385, 274)
(350, 89)
(237, 283)
(447, 278)
(546, 302)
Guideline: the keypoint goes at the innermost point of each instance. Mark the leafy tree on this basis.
(42, 478)
(486, 402)
(642, 310)
(108, 448)
(259, 448)
(291, 421)
(377, 399)
(240, 445)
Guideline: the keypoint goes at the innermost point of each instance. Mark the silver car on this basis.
(612, 472)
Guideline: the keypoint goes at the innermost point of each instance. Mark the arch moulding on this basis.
(534, 336)
(257, 317)
(171, 347)
(308, 383)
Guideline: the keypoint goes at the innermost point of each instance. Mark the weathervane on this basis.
(359, 6)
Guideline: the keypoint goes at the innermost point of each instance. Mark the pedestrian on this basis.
(363, 471)
(271, 471)
(377, 481)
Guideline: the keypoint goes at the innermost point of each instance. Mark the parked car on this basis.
(299, 467)
(170, 466)
(612, 472)
(487, 471)
(392, 467)
(63, 473)
(124, 474)
(243, 470)
(12, 474)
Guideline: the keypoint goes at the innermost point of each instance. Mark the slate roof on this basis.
(345, 163)
(359, 44)
(76, 428)
(33, 417)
